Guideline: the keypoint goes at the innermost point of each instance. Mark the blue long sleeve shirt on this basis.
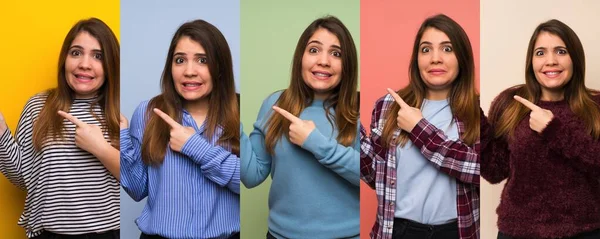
(192, 194)
(315, 188)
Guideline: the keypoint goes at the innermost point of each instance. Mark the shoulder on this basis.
(36, 102)
(272, 98)
(506, 96)
(595, 95)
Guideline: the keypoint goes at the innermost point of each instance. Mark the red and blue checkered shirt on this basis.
(457, 159)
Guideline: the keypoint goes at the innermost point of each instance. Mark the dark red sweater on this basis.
(553, 179)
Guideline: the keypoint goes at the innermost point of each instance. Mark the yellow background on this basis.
(32, 33)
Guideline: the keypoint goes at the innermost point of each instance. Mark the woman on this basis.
(422, 155)
(544, 141)
(309, 142)
(181, 151)
(65, 151)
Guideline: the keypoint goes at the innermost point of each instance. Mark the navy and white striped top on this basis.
(69, 191)
(192, 194)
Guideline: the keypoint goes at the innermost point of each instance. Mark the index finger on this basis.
(397, 98)
(71, 118)
(527, 103)
(166, 118)
(286, 114)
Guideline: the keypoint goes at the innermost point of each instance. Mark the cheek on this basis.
(423, 62)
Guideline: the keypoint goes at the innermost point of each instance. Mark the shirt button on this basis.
(392, 182)
(391, 204)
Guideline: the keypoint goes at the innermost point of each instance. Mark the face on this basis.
(551, 62)
(438, 65)
(322, 62)
(190, 72)
(83, 66)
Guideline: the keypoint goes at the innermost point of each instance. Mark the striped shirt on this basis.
(69, 191)
(453, 157)
(192, 194)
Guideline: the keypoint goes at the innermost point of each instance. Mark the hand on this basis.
(179, 133)
(123, 123)
(87, 137)
(299, 129)
(3, 126)
(538, 118)
(408, 117)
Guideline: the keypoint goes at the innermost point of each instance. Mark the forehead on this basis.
(324, 36)
(186, 44)
(547, 39)
(434, 35)
(86, 40)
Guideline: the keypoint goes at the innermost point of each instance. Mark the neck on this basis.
(198, 107)
(321, 96)
(437, 94)
(550, 95)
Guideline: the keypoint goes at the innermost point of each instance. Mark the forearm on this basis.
(109, 157)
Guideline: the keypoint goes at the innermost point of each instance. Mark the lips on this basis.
(191, 85)
(437, 71)
(552, 73)
(84, 78)
(322, 75)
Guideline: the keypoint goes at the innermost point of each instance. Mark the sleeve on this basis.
(371, 147)
(134, 173)
(574, 143)
(495, 152)
(453, 157)
(256, 161)
(217, 164)
(16, 153)
(341, 159)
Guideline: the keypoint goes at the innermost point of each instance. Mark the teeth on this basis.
(191, 84)
(321, 74)
(552, 73)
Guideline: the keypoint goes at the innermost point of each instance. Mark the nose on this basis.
(551, 59)
(189, 71)
(436, 57)
(84, 63)
(323, 59)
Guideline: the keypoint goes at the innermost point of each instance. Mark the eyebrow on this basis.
(441, 43)
(320, 43)
(80, 47)
(184, 54)
(544, 48)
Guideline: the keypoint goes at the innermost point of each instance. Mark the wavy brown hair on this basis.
(299, 95)
(576, 94)
(463, 98)
(223, 106)
(61, 97)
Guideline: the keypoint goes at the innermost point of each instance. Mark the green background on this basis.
(270, 30)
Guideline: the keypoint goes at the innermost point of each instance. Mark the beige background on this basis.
(506, 27)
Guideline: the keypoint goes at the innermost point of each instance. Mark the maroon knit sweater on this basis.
(553, 179)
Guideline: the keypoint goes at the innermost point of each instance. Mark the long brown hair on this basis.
(299, 95)
(576, 94)
(463, 98)
(61, 97)
(223, 106)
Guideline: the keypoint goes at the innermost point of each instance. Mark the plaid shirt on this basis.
(378, 169)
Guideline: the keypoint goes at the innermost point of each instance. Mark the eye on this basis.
(336, 53)
(313, 50)
(425, 49)
(98, 56)
(179, 60)
(561, 51)
(447, 49)
(75, 53)
(202, 60)
(539, 53)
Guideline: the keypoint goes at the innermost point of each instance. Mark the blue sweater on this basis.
(315, 188)
(192, 194)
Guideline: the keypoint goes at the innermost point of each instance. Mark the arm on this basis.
(109, 156)
(338, 158)
(217, 164)
(14, 152)
(134, 173)
(573, 142)
(495, 154)
(256, 161)
(372, 148)
(453, 157)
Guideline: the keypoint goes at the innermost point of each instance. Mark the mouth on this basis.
(436, 72)
(321, 75)
(84, 78)
(552, 74)
(191, 85)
